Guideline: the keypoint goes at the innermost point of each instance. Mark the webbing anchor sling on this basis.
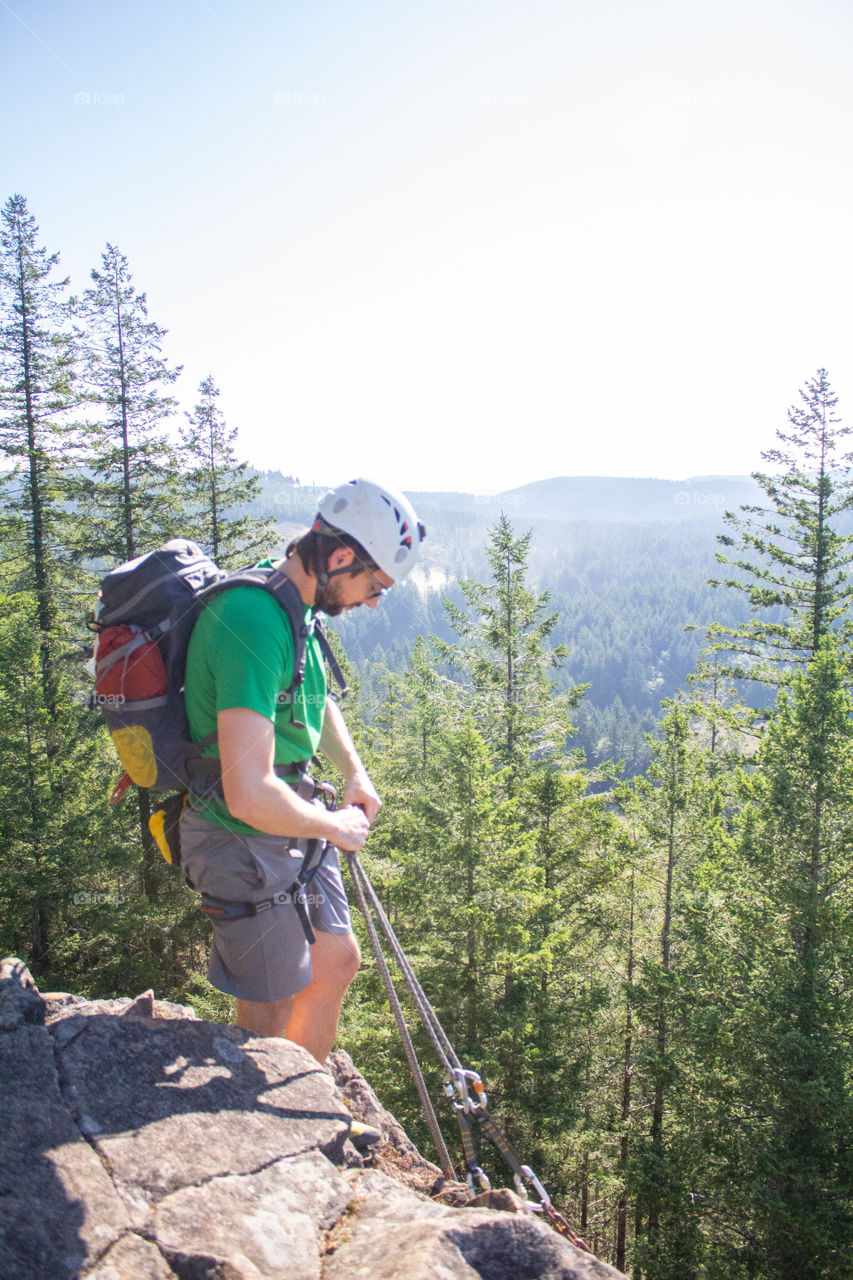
(457, 1079)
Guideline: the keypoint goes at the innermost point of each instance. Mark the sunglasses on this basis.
(376, 587)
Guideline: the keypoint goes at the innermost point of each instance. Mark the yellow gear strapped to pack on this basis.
(135, 749)
(165, 827)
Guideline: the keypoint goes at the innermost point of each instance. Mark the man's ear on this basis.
(341, 558)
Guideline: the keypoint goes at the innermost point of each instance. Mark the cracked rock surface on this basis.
(141, 1143)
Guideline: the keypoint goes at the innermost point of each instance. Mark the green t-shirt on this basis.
(241, 655)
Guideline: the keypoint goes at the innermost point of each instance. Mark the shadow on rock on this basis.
(107, 1108)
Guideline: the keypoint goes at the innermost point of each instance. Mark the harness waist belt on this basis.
(295, 895)
(206, 774)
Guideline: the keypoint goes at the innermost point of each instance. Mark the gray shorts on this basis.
(267, 956)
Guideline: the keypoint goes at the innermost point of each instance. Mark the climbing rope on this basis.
(459, 1083)
(359, 876)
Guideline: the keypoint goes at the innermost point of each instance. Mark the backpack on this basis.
(144, 617)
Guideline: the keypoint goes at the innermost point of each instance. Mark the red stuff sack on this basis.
(129, 666)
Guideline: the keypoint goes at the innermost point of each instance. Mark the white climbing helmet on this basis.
(382, 521)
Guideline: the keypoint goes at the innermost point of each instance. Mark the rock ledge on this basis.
(145, 1144)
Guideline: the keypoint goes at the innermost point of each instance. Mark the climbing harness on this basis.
(459, 1084)
(313, 852)
(219, 909)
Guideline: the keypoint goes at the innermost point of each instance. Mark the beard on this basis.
(329, 599)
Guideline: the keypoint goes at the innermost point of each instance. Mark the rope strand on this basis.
(456, 1078)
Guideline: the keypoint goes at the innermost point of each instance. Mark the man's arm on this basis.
(256, 795)
(338, 747)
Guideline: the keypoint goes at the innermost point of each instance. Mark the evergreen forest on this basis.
(616, 758)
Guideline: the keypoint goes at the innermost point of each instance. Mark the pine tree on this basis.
(793, 895)
(561, 990)
(675, 817)
(217, 484)
(728, 722)
(52, 810)
(505, 656)
(129, 499)
(493, 864)
(790, 556)
(36, 369)
(51, 829)
(429, 858)
(626, 1092)
(128, 490)
(442, 813)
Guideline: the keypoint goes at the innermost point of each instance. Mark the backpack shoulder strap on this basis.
(285, 593)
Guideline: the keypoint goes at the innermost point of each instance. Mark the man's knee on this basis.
(336, 957)
(353, 952)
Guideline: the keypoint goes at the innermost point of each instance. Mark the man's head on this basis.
(364, 539)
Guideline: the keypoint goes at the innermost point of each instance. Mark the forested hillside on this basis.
(650, 967)
(632, 599)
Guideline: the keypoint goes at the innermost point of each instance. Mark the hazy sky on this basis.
(459, 245)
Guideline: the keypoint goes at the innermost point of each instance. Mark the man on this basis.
(238, 847)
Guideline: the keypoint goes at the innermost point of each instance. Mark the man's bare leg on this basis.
(313, 1021)
(264, 1017)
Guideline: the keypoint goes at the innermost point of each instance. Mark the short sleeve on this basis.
(250, 651)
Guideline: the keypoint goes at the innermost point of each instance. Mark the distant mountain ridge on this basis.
(611, 499)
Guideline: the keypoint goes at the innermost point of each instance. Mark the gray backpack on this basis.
(146, 611)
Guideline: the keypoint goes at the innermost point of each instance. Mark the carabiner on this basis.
(536, 1184)
(475, 1172)
(460, 1078)
(326, 792)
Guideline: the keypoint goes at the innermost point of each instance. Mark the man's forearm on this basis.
(256, 795)
(337, 745)
(339, 749)
(271, 805)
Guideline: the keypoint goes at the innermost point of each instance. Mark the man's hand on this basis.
(354, 827)
(361, 791)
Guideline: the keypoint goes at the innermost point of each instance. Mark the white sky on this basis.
(462, 244)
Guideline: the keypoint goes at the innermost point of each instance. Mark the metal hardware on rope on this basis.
(457, 1078)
